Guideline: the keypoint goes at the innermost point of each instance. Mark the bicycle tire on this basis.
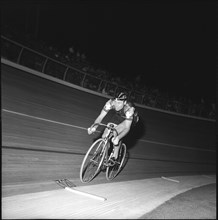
(113, 171)
(87, 174)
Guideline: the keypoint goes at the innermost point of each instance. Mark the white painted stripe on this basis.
(85, 194)
(176, 181)
(43, 119)
(74, 126)
(176, 146)
(207, 176)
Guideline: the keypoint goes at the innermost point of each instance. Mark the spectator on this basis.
(104, 91)
(212, 111)
(78, 56)
(71, 50)
(149, 95)
(83, 56)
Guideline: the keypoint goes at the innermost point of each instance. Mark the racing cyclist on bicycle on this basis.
(123, 115)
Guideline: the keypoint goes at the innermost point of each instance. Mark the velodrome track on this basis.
(44, 135)
(44, 138)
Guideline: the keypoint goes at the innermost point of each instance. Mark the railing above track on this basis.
(25, 56)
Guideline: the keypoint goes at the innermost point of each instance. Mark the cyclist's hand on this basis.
(91, 130)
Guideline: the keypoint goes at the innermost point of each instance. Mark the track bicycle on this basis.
(98, 157)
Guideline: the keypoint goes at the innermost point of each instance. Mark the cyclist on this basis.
(123, 116)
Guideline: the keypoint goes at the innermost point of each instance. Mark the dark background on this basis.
(171, 44)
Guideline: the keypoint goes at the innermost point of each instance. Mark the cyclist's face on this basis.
(119, 104)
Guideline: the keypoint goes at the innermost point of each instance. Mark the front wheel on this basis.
(112, 171)
(92, 161)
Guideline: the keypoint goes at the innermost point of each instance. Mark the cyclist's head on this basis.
(122, 96)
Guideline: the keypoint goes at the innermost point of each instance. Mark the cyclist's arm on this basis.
(101, 116)
(104, 111)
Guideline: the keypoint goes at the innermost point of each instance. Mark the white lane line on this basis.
(177, 181)
(177, 146)
(74, 126)
(207, 176)
(43, 119)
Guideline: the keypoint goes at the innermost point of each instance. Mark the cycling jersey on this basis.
(128, 112)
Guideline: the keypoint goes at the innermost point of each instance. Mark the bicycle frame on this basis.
(98, 157)
(107, 139)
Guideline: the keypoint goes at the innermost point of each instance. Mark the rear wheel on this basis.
(92, 161)
(112, 171)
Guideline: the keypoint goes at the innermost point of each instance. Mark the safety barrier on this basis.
(25, 56)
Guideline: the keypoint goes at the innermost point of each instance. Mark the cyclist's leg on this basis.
(116, 150)
(120, 128)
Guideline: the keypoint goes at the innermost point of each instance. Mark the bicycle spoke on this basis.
(88, 172)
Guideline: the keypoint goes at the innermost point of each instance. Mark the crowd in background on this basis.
(151, 96)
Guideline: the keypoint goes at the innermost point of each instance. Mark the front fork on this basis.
(107, 154)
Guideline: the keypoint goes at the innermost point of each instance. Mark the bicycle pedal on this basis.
(103, 169)
(112, 162)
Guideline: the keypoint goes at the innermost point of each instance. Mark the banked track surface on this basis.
(125, 200)
(44, 137)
